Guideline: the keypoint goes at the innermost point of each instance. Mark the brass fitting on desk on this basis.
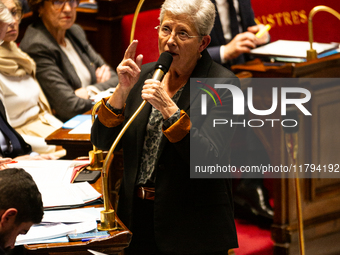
(96, 160)
(107, 220)
(311, 53)
(95, 156)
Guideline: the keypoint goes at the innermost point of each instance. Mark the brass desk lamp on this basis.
(311, 53)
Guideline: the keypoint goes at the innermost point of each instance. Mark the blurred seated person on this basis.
(234, 32)
(5, 20)
(167, 211)
(26, 106)
(20, 206)
(12, 145)
(24, 6)
(69, 70)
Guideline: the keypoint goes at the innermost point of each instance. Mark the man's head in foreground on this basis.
(20, 205)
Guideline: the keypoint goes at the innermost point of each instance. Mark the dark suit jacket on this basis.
(191, 215)
(25, 148)
(217, 37)
(56, 74)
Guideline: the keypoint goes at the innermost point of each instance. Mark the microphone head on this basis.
(164, 62)
(292, 114)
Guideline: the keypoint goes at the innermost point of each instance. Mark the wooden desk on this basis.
(76, 145)
(319, 143)
(318, 68)
(79, 145)
(115, 244)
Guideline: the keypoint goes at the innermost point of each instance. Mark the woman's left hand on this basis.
(4, 162)
(155, 94)
(103, 73)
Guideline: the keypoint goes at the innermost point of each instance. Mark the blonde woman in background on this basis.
(27, 109)
(5, 20)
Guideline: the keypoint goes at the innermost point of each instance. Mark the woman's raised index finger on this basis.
(131, 50)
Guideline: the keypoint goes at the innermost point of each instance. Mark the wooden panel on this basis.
(325, 127)
(319, 143)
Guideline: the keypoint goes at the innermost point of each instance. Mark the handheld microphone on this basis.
(162, 66)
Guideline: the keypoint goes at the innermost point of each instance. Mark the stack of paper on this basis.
(53, 180)
(292, 49)
(57, 224)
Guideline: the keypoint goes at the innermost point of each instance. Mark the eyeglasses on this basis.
(16, 14)
(164, 31)
(59, 4)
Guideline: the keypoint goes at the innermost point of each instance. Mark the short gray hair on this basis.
(5, 15)
(201, 12)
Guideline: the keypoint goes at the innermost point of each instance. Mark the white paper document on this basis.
(296, 49)
(83, 128)
(102, 94)
(96, 252)
(53, 180)
(49, 171)
(73, 216)
(44, 231)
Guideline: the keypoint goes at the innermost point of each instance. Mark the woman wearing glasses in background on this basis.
(66, 63)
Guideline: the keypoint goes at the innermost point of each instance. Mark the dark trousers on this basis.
(143, 235)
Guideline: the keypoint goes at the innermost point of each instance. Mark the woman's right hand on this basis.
(128, 73)
(129, 69)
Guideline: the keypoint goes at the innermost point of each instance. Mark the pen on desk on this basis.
(260, 33)
(12, 162)
(86, 239)
(91, 238)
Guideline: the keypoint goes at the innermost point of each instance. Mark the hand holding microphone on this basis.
(156, 94)
(129, 72)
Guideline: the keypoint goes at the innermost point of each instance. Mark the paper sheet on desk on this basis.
(51, 171)
(83, 128)
(41, 232)
(96, 252)
(53, 180)
(51, 229)
(74, 215)
(102, 94)
(55, 195)
(295, 49)
(76, 121)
